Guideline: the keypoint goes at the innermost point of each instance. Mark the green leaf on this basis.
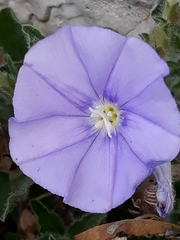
(34, 34)
(6, 92)
(20, 183)
(174, 216)
(12, 39)
(6, 110)
(50, 236)
(176, 41)
(173, 79)
(145, 37)
(48, 221)
(6, 84)
(12, 67)
(169, 9)
(158, 39)
(10, 191)
(5, 194)
(173, 65)
(12, 236)
(84, 223)
(158, 11)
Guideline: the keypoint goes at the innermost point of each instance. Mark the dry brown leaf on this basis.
(5, 160)
(27, 224)
(175, 172)
(132, 227)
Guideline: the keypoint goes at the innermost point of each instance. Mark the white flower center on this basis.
(105, 117)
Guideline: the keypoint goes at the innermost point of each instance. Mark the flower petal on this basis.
(156, 104)
(149, 142)
(137, 66)
(98, 50)
(130, 172)
(34, 98)
(34, 139)
(93, 184)
(56, 60)
(56, 171)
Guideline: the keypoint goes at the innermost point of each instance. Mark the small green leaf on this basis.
(173, 79)
(145, 37)
(20, 183)
(50, 236)
(158, 38)
(158, 10)
(9, 205)
(6, 84)
(6, 92)
(169, 7)
(174, 216)
(6, 111)
(12, 67)
(84, 223)
(10, 191)
(5, 193)
(12, 236)
(34, 34)
(48, 221)
(12, 39)
(173, 65)
(176, 42)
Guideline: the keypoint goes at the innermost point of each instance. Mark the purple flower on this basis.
(93, 116)
(164, 194)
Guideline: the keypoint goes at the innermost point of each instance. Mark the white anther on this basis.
(109, 114)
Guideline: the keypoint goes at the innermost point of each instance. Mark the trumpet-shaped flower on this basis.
(93, 116)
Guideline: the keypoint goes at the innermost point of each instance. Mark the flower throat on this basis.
(105, 117)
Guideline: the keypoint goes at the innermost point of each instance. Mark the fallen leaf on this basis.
(27, 224)
(132, 227)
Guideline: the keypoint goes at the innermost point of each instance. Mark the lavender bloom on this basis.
(164, 194)
(93, 116)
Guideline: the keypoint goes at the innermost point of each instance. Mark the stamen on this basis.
(105, 117)
(109, 114)
(99, 124)
(108, 127)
